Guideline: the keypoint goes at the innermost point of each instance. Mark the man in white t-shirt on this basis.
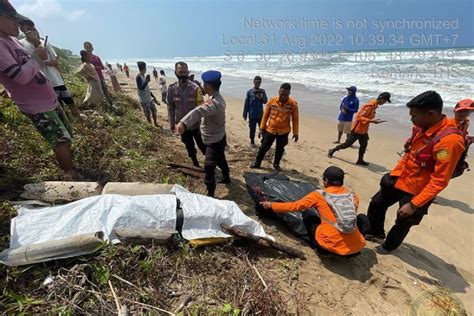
(49, 67)
(163, 87)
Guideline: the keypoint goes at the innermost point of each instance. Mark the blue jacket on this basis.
(351, 105)
(253, 107)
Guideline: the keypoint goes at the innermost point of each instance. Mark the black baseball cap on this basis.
(427, 99)
(7, 9)
(334, 175)
(385, 96)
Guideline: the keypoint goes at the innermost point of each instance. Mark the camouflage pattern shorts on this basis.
(53, 126)
(148, 108)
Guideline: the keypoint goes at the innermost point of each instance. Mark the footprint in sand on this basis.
(395, 295)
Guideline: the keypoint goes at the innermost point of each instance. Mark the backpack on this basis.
(424, 157)
(343, 208)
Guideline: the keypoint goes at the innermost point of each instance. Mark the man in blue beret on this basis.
(212, 117)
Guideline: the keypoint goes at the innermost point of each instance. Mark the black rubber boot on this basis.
(195, 162)
(256, 165)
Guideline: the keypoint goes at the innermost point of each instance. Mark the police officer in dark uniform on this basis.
(212, 117)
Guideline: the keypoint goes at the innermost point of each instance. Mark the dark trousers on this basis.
(215, 156)
(381, 201)
(268, 139)
(107, 95)
(253, 123)
(189, 138)
(351, 139)
(312, 221)
(163, 97)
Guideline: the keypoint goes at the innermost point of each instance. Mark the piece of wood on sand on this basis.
(53, 249)
(137, 188)
(53, 191)
(263, 241)
(191, 171)
(178, 165)
(143, 235)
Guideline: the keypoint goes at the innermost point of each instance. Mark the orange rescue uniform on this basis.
(362, 120)
(277, 117)
(424, 184)
(326, 235)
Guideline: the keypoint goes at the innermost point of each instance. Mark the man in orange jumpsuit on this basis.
(419, 175)
(280, 115)
(360, 127)
(462, 111)
(324, 236)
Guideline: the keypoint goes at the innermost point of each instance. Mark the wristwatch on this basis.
(413, 206)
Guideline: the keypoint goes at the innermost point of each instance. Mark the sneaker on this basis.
(331, 153)
(362, 163)
(277, 167)
(374, 237)
(224, 181)
(255, 165)
(336, 142)
(381, 250)
(196, 163)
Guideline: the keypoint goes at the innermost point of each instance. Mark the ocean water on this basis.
(402, 73)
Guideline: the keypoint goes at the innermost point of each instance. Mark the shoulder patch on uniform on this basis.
(443, 154)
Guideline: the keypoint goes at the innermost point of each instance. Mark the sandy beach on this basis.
(438, 252)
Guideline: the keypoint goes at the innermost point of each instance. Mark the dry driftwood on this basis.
(178, 165)
(140, 235)
(51, 250)
(52, 191)
(190, 172)
(137, 188)
(263, 241)
(29, 202)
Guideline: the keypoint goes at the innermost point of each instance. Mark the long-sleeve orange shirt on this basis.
(277, 117)
(422, 183)
(364, 116)
(327, 235)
